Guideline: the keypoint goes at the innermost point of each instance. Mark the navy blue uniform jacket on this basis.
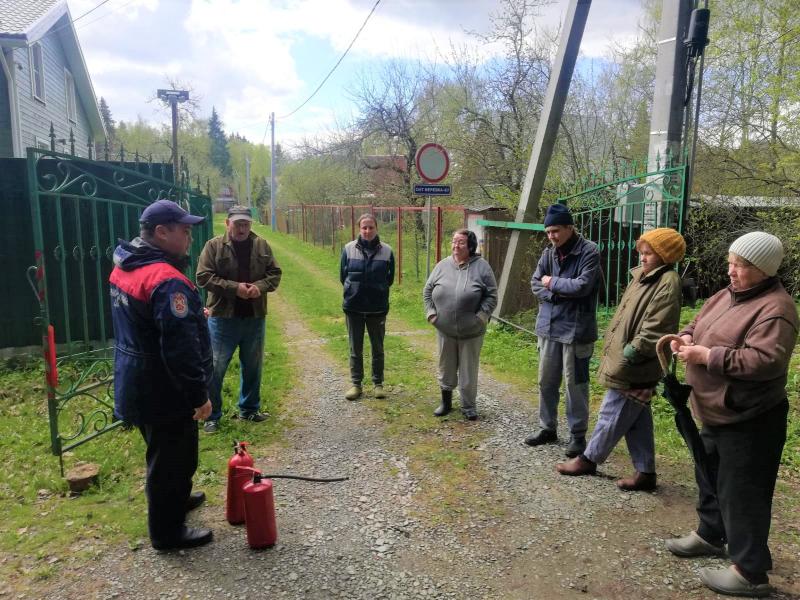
(162, 357)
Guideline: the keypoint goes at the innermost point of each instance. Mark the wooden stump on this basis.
(81, 476)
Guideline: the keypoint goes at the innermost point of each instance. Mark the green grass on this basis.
(41, 520)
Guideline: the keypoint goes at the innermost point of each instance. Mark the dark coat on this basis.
(567, 310)
(366, 271)
(162, 354)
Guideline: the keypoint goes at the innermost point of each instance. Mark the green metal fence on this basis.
(616, 207)
(79, 209)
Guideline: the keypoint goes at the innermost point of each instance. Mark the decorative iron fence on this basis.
(612, 208)
(79, 209)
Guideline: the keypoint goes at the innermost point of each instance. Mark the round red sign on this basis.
(432, 162)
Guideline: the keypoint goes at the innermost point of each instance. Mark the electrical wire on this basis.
(91, 10)
(78, 18)
(341, 58)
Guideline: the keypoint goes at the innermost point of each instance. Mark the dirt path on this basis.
(385, 534)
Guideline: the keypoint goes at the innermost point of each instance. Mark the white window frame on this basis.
(40, 143)
(71, 97)
(32, 57)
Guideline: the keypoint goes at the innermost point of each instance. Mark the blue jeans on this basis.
(228, 334)
(620, 417)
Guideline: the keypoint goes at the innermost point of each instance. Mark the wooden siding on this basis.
(35, 116)
(6, 144)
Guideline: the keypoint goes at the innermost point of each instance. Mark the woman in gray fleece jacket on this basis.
(460, 296)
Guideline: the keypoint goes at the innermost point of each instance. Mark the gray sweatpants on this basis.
(458, 367)
(572, 360)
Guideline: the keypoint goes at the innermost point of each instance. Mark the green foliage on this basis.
(220, 156)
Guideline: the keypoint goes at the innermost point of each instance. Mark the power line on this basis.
(319, 87)
(90, 11)
(78, 18)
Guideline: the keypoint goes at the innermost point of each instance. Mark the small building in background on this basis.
(489, 241)
(224, 200)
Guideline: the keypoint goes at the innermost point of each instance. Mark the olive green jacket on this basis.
(649, 308)
(218, 272)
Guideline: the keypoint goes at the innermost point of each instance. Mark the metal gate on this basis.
(80, 208)
(615, 207)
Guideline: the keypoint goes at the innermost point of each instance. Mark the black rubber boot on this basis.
(447, 404)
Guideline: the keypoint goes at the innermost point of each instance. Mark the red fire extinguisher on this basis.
(240, 470)
(259, 509)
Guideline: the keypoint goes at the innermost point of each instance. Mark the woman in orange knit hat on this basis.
(629, 368)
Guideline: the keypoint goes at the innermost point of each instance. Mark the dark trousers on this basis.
(171, 463)
(743, 461)
(376, 328)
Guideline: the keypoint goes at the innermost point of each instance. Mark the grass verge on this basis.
(43, 526)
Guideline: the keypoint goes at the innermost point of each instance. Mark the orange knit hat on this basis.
(666, 242)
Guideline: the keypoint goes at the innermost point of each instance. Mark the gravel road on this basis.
(374, 536)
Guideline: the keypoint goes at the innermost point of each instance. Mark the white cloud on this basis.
(241, 55)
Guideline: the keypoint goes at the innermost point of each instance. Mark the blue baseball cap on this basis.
(162, 212)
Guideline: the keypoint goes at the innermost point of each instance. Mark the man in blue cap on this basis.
(566, 283)
(162, 365)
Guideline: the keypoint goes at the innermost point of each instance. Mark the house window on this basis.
(37, 71)
(41, 144)
(69, 86)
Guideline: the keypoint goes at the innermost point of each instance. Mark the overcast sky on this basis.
(250, 57)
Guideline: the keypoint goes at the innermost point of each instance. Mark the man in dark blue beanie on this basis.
(558, 214)
(566, 283)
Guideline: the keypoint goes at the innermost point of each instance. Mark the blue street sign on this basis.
(425, 189)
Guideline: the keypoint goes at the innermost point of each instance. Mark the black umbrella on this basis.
(677, 394)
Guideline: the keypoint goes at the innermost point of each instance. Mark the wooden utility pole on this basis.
(173, 97)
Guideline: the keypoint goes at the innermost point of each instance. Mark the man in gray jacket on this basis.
(566, 283)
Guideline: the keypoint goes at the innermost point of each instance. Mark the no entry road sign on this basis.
(432, 162)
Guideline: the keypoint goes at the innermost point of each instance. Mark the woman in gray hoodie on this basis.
(460, 296)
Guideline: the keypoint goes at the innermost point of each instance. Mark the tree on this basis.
(108, 121)
(220, 156)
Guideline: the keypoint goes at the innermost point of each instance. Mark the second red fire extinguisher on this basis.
(259, 508)
(240, 470)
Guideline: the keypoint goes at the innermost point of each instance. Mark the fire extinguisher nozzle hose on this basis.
(315, 479)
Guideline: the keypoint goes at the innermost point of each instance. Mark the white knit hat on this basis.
(762, 249)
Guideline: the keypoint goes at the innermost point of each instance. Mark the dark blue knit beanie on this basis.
(558, 214)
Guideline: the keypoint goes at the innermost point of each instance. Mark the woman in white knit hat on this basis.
(737, 353)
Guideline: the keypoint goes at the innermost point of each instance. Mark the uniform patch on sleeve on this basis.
(178, 304)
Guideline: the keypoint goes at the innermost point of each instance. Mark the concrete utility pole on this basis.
(542, 152)
(173, 97)
(272, 190)
(669, 109)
